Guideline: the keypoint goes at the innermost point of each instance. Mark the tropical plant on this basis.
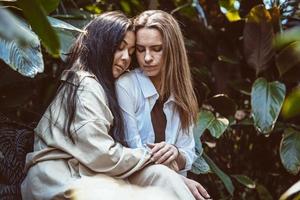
(245, 64)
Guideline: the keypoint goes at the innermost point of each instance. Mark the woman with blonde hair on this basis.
(157, 99)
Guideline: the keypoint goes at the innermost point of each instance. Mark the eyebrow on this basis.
(156, 45)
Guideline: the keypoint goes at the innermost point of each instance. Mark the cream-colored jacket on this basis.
(56, 163)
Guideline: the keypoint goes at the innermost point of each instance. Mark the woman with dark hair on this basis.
(74, 145)
(157, 99)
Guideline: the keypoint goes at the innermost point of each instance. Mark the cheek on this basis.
(139, 57)
(159, 57)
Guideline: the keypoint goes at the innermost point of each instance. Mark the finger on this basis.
(169, 160)
(164, 157)
(161, 152)
(196, 194)
(157, 147)
(202, 190)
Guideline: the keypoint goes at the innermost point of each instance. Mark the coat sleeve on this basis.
(94, 147)
(186, 146)
(127, 102)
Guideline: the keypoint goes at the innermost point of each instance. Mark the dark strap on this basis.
(159, 121)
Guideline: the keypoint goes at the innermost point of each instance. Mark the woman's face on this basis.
(149, 51)
(122, 56)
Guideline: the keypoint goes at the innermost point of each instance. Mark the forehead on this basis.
(148, 36)
(129, 37)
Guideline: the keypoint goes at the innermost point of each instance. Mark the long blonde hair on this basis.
(176, 76)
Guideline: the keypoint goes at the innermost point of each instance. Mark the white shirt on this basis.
(137, 95)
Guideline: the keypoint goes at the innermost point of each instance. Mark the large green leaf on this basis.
(13, 28)
(19, 46)
(288, 57)
(200, 166)
(224, 177)
(66, 34)
(49, 5)
(266, 101)
(290, 150)
(215, 125)
(59, 24)
(291, 191)
(36, 16)
(287, 37)
(291, 105)
(245, 180)
(258, 38)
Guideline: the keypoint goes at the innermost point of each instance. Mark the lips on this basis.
(149, 67)
(120, 67)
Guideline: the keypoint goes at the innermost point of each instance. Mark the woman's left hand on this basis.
(163, 153)
(196, 188)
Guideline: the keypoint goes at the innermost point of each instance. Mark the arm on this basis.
(186, 146)
(127, 102)
(94, 147)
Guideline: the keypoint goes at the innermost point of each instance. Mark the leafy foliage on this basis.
(245, 65)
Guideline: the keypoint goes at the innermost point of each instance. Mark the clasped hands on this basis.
(163, 153)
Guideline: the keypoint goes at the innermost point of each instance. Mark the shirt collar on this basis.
(147, 86)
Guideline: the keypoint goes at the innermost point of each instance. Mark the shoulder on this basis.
(128, 79)
(88, 87)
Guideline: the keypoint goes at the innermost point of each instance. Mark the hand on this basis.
(196, 188)
(173, 165)
(163, 153)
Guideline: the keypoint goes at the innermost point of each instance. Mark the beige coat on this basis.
(56, 163)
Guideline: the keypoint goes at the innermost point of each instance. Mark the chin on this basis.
(147, 73)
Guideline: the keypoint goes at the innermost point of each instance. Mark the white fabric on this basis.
(137, 96)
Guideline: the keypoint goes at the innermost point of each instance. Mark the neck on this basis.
(156, 80)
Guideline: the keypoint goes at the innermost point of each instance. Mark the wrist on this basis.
(178, 152)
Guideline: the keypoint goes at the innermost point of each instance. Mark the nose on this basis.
(148, 57)
(125, 55)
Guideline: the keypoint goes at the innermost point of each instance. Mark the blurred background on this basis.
(245, 61)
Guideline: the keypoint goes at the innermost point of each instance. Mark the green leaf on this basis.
(230, 9)
(287, 37)
(13, 28)
(36, 16)
(66, 34)
(291, 105)
(290, 150)
(49, 5)
(291, 191)
(245, 180)
(223, 104)
(59, 24)
(125, 6)
(266, 101)
(288, 57)
(200, 166)
(258, 38)
(263, 193)
(19, 46)
(224, 177)
(215, 125)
